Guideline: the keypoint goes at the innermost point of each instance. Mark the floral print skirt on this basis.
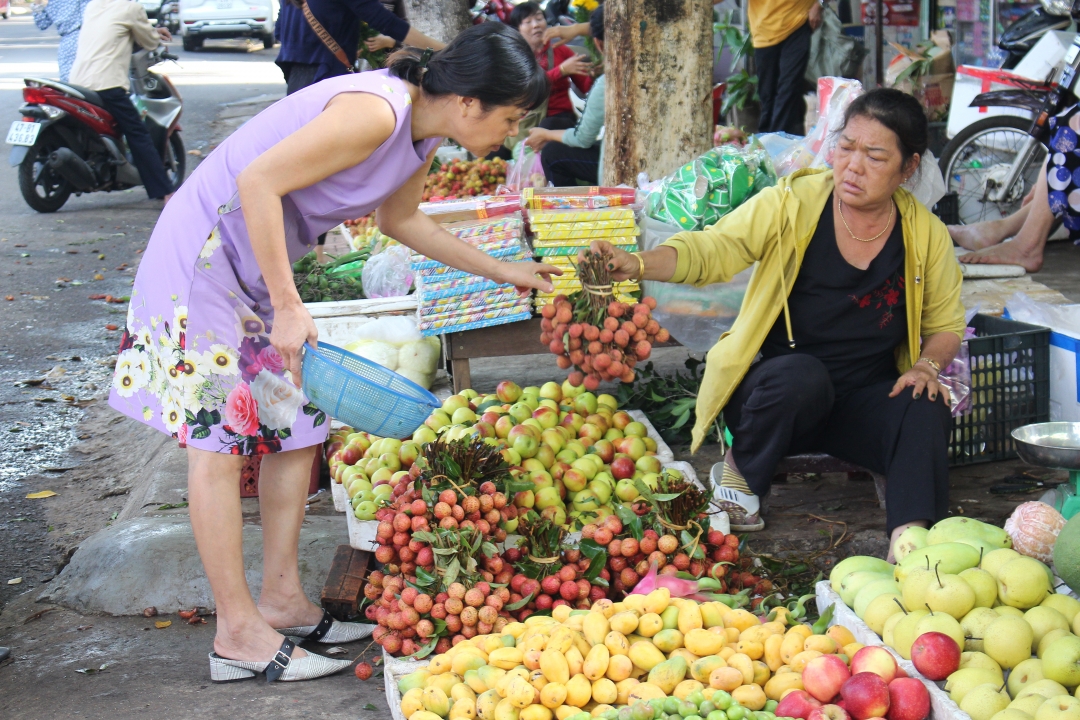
(196, 361)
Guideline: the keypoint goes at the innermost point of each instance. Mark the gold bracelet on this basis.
(931, 362)
(641, 266)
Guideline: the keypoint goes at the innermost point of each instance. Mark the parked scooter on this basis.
(992, 163)
(169, 16)
(67, 142)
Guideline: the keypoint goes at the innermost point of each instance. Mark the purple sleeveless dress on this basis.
(195, 359)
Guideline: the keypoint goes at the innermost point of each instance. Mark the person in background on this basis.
(66, 16)
(385, 42)
(780, 31)
(109, 28)
(561, 64)
(576, 154)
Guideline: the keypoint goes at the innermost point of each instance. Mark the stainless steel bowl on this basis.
(1052, 444)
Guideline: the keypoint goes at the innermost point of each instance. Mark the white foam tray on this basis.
(393, 670)
(341, 498)
(362, 533)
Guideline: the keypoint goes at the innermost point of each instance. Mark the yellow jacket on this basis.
(773, 229)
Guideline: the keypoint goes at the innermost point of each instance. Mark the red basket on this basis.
(249, 475)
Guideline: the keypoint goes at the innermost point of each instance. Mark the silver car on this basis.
(220, 19)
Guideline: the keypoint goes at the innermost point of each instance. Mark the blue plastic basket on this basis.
(363, 394)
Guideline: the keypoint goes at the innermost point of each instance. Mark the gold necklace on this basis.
(866, 240)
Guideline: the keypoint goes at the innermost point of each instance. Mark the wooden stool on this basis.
(822, 463)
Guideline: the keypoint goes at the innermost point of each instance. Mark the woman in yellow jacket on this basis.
(854, 280)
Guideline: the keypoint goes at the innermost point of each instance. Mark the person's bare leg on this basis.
(214, 506)
(985, 234)
(1026, 248)
(897, 532)
(283, 485)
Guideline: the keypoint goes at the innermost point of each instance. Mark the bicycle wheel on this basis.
(977, 161)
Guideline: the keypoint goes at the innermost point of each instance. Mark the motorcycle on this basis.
(169, 17)
(67, 142)
(992, 163)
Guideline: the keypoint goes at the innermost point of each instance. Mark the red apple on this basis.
(935, 655)
(908, 700)
(622, 467)
(351, 454)
(874, 659)
(508, 391)
(797, 704)
(829, 712)
(605, 450)
(823, 676)
(866, 695)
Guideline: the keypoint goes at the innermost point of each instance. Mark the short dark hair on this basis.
(596, 23)
(897, 111)
(523, 12)
(489, 62)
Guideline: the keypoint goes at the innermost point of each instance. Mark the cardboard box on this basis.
(927, 72)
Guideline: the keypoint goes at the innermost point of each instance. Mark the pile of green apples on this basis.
(580, 451)
(369, 467)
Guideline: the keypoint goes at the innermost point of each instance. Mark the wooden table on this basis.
(510, 340)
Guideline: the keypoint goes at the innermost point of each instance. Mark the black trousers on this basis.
(144, 155)
(564, 166)
(559, 121)
(787, 406)
(780, 82)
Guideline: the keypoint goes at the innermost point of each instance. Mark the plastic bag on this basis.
(525, 169)
(956, 377)
(395, 342)
(701, 192)
(927, 184)
(816, 149)
(388, 274)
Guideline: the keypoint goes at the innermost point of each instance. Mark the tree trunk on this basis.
(658, 105)
(438, 19)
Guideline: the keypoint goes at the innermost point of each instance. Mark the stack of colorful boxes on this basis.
(450, 300)
(565, 221)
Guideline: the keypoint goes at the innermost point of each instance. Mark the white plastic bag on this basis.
(525, 169)
(816, 149)
(927, 184)
(395, 343)
(389, 273)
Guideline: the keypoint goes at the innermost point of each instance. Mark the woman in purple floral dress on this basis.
(215, 329)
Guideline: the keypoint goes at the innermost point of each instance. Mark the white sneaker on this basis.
(744, 510)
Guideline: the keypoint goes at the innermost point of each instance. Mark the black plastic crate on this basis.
(1010, 379)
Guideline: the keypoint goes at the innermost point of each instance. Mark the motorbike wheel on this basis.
(175, 160)
(192, 44)
(42, 189)
(980, 157)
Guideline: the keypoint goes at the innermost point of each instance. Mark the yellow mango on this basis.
(505, 710)
(732, 634)
(416, 679)
(444, 682)
(701, 642)
(605, 606)
(581, 644)
(595, 627)
(668, 640)
(574, 661)
(514, 629)
(553, 695)
(505, 658)
(772, 651)
(531, 659)
(644, 692)
(701, 669)
(624, 622)
(520, 693)
(536, 712)
(685, 654)
(785, 669)
(578, 691)
(726, 653)
(791, 646)
(598, 709)
(424, 715)
(634, 602)
(668, 674)
(686, 687)
(649, 625)
(473, 682)
(596, 662)
(603, 691)
(566, 711)
(645, 655)
(711, 614)
(554, 666)
(623, 688)
(758, 633)
(412, 701)
(617, 644)
(561, 613)
(561, 639)
(462, 692)
(635, 637)
(435, 701)
(822, 643)
(750, 648)
(464, 709)
(575, 622)
(537, 641)
(619, 668)
(781, 683)
(782, 615)
(774, 627)
(851, 648)
(440, 664)
(464, 662)
(690, 618)
(799, 661)
(726, 678)
(841, 635)
(743, 664)
(537, 679)
(741, 619)
(543, 620)
(490, 676)
(751, 697)
(761, 673)
(657, 601)
(488, 643)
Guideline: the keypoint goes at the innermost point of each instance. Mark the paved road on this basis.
(51, 264)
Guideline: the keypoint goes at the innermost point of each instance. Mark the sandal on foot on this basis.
(283, 667)
(329, 631)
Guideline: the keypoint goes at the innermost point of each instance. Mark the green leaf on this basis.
(681, 420)
(311, 410)
(426, 650)
(597, 556)
(630, 520)
(445, 552)
(452, 572)
(200, 433)
(424, 577)
(370, 706)
(319, 419)
(424, 536)
(189, 418)
(520, 603)
(489, 550)
(667, 497)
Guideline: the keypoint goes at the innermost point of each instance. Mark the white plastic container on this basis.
(341, 498)
(393, 670)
